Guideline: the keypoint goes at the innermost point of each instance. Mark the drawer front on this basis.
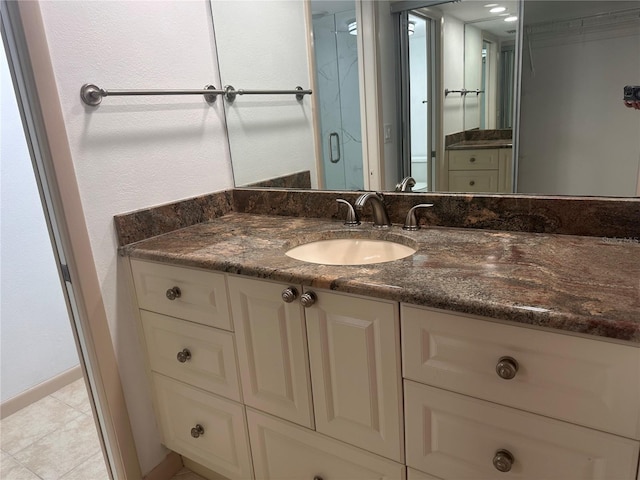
(588, 382)
(203, 294)
(201, 356)
(283, 451)
(457, 437)
(473, 180)
(223, 445)
(485, 159)
(413, 474)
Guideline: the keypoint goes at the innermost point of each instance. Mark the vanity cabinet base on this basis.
(209, 429)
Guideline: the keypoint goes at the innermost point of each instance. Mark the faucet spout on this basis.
(378, 208)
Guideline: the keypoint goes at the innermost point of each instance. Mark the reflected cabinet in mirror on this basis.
(523, 96)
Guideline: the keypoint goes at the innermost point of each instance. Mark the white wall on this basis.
(263, 45)
(472, 75)
(134, 152)
(576, 136)
(453, 75)
(37, 342)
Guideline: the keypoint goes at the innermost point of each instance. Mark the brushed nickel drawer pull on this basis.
(308, 299)
(184, 355)
(197, 431)
(289, 294)
(503, 460)
(174, 293)
(507, 367)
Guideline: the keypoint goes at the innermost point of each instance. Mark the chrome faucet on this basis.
(380, 215)
(406, 184)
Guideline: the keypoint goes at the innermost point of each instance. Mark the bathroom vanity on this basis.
(484, 355)
(478, 161)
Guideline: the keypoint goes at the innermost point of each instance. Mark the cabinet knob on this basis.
(308, 299)
(184, 355)
(472, 159)
(317, 477)
(472, 183)
(174, 293)
(198, 431)
(289, 294)
(503, 460)
(507, 367)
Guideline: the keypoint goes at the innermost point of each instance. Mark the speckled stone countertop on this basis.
(481, 144)
(587, 285)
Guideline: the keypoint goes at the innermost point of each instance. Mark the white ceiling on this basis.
(475, 12)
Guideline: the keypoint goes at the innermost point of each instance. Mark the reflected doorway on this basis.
(416, 42)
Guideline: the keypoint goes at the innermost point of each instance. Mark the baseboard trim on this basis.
(40, 391)
(166, 469)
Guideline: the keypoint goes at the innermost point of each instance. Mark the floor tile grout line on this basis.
(21, 464)
(43, 436)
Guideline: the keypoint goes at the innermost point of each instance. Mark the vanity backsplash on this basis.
(616, 218)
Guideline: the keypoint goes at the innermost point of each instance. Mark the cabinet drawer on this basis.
(588, 382)
(456, 437)
(223, 446)
(208, 354)
(473, 181)
(485, 159)
(284, 451)
(203, 294)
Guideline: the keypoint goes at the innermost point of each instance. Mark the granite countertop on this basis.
(587, 285)
(480, 144)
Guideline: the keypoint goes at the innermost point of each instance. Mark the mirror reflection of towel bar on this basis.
(463, 92)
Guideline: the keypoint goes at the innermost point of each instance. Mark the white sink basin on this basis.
(350, 251)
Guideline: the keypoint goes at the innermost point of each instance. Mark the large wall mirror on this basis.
(470, 96)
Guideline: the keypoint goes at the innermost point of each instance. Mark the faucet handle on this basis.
(411, 223)
(352, 218)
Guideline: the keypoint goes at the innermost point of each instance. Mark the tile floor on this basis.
(55, 439)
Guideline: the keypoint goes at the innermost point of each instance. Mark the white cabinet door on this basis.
(457, 437)
(199, 295)
(220, 441)
(283, 451)
(272, 349)
(418, 475)
(354, 349)
(584, 381)
(201, 356)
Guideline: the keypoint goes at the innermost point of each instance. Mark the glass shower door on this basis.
(336, 70)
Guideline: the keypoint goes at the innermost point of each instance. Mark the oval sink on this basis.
(350, 251)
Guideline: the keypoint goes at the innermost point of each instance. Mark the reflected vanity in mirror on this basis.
(547, 87)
